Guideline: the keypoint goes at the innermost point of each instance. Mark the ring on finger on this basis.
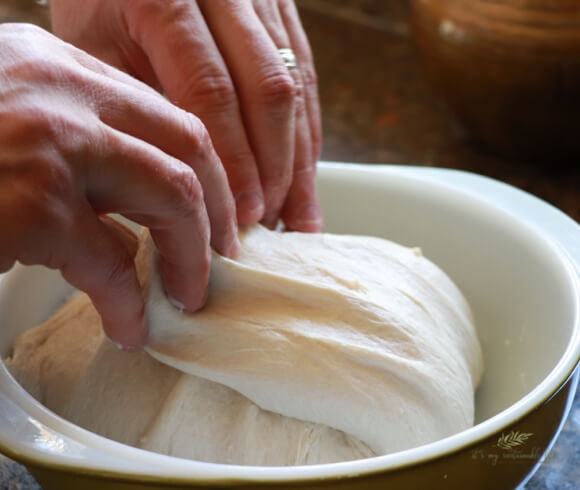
(288, 57)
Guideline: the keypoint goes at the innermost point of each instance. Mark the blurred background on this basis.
(385, 100)
(491, 87)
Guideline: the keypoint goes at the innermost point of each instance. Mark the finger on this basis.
(194, 76)
(124, 173)
(300, 45)
(149, 117)
(51, 224)
(301, 211)
(266, 91)
(123, 234)
(156, 190)
(182, 136)
(98, 263)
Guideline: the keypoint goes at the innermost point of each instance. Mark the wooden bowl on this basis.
(509, 70)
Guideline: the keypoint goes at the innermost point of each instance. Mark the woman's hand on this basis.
(80, 139)
(219, 59)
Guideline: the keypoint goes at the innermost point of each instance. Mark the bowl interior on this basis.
(520, 285)
(518, 282)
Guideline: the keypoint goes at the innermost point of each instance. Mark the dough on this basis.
(311, 349)
(357, 333)
(71, 368)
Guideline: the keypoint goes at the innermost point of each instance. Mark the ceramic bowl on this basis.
(514, 257)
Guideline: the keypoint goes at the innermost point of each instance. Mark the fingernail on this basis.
(177, 304)
(125, 348)
(132, 337)
(250, 207)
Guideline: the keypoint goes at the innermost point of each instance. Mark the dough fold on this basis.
(311, 349)
(356, 333)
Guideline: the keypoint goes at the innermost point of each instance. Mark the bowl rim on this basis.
(562, 233)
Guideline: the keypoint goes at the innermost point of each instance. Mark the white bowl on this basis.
(514, 257)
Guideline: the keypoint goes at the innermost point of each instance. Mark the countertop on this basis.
(379, 108)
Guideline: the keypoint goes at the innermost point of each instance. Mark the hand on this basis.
(80, 139)
(219, 60)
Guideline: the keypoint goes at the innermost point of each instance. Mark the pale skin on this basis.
(80, 139)
(206, 128)
(219, 60)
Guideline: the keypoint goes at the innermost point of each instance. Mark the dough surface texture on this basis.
(71, 368)
(356, 333)
(311, 349)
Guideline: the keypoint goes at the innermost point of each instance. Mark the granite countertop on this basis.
(378, 108)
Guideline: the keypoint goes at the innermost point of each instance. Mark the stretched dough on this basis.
(312, 349)
(68, 366)
(356, 333)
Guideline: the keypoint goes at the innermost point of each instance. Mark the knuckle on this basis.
(27, 57)
(30, 122)
(277, 90)
(211, 90)
(195, 132)
(40, 126)
(37, 66)
(188, 191)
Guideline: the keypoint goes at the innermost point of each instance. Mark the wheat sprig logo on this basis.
(513, 439)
